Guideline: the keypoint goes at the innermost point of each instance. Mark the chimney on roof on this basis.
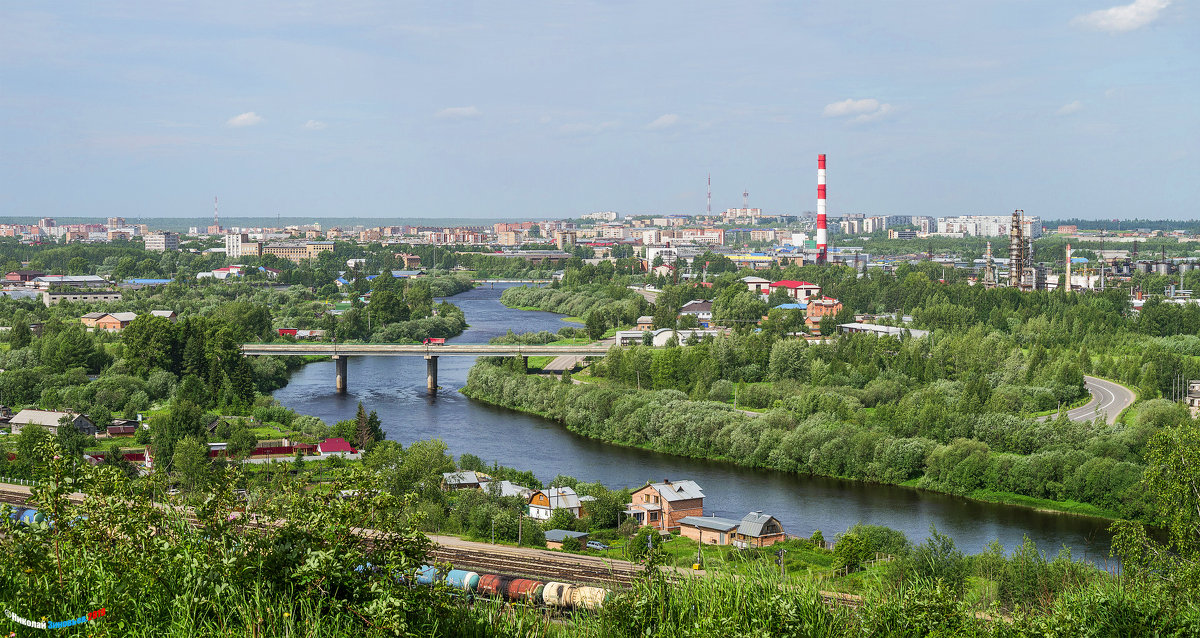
(666, 482)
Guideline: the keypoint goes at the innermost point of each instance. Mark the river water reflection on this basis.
(395, 388)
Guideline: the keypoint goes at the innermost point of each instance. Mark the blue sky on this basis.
(495, 109)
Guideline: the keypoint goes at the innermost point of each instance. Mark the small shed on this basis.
(712, 530)
(555, 537)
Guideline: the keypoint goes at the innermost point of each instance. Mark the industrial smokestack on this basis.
(822, 233)
(1069, 268)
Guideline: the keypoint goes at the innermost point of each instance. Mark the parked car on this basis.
(597, 545)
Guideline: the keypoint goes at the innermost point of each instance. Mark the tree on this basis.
(70, 439)
(77, 266)
(1172, 487)
(20, 336)
(191, 464)
(184, 420)
(595, 325)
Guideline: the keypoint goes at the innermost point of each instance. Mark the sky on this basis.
(1064, 108)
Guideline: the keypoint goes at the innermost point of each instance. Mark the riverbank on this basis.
(668, 422)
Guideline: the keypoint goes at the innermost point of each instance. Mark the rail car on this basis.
(526, 590)
(29, 516)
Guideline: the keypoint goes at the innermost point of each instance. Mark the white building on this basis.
(605, 216)
(233, 244)
(986, 226)
(162, 242)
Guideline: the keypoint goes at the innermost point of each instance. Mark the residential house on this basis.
(757, 285)
(645, 322)
(555, 538)
(115, 321)
(464, 480)
(700, 309)
(50, 420)
(165, 314)
(506, 488)
(663, 505)
(336, 447)
(758, 530)
(543, 504)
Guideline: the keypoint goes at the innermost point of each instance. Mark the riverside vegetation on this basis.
(948, 413)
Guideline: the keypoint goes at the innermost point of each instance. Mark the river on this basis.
(395, 388)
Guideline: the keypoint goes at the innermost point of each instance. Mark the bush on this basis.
(571, 544)
(850, 552)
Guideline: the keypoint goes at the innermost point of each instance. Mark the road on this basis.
(1108, 399)
(650, 295)
(448, 350)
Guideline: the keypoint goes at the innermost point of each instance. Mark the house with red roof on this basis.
(329, 447)
(798, 290)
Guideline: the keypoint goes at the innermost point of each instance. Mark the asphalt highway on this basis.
(1108, 399)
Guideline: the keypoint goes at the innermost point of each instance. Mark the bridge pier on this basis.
(340, 361)
(431, 373)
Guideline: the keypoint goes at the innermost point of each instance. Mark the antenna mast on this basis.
(746, 199)
(710, 194)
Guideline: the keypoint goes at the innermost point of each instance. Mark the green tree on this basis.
(77, 266)
(185, 419)
(1172, 488)
(595, 325)
(191, 464)
(20, 336)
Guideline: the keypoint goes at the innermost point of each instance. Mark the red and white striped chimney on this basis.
(822, 233)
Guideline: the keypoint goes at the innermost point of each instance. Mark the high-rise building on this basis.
(162, 242)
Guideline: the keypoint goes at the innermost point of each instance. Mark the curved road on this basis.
(1108, 399)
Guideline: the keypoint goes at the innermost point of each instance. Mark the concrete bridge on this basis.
(341, 353)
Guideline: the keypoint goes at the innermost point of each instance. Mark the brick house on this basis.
(663, 505)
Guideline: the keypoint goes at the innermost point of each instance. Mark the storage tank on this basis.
(1162, 269)
(493, 585)
(524, 590)
(427, 575)
(462, 579)
(1186, 266)
(29, 517)
(589, 597)
(1142, 266)
(556, 594)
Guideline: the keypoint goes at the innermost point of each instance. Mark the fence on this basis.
(17, 481)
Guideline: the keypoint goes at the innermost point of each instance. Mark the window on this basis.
(653, 516)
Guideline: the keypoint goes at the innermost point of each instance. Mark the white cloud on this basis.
(458, 112)
(1126, 17)
(314, 125)
(1072, 107)
(865, 110)
(249, 118)
(663, 121)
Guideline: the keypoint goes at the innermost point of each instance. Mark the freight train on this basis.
(551, 594)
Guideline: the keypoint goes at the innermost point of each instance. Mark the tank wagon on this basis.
(524, 590)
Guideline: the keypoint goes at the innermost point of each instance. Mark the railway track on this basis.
(510, 561)
(613, 574)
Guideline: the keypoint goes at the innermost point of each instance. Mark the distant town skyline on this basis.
(383, 110)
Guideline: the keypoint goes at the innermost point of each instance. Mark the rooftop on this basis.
(715, 523)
